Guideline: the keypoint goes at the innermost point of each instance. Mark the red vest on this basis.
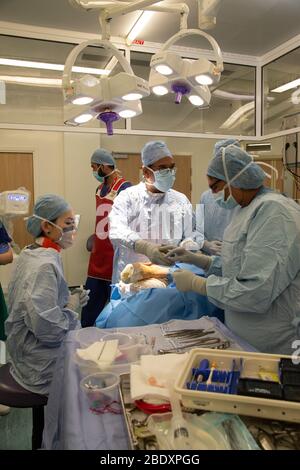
(101, 258)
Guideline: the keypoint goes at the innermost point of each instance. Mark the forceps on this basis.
(205, 342)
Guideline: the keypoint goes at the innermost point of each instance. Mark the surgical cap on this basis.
(224, 143)
(235, 160)
(103, 157)
(154, 151)
(50, 207)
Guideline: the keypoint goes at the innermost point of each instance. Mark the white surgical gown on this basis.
(38, 319)
(159, 218)
(260, 284)
(216, 218)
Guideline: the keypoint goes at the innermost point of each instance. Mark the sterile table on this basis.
(68, 422)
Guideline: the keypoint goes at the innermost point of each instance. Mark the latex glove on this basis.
(184, 256)
(73, 303)
(166, 248)
(151, 250)
(187, 281)
(78, 298)
(213, 247)
(83, 296)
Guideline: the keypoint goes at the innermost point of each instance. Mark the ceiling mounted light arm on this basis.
(110, 9)
(189, 32)
(66, 80)
(207, 10)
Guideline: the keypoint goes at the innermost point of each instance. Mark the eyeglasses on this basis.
(214, 185)
(166, 171)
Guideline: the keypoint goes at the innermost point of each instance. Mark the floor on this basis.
(15, 429)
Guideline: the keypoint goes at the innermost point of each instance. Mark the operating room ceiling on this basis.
(250, 27)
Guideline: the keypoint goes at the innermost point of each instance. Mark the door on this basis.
(16, 170)
(130, 167)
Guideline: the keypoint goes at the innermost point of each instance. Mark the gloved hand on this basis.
(78, 299)
(152, 251)
(166, 248)
(184, 256)
(213, 247)
(187, 281)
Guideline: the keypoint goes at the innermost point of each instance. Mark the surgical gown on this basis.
(160, 218)
(38, 318)
(260, 284)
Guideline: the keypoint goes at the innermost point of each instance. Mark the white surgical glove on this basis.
(184, 256)
(78, 298)
(73, 302)
(213, 247)
(152, 252)
(187, 281)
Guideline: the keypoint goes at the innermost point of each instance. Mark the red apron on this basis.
(101, 258)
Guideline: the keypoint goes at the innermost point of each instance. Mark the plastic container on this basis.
(200, 439)
(131, 348)
(88, 336)
(232, 403)
(102, 391)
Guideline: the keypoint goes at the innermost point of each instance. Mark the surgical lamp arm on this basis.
(120, 6)
(66, 79)
(188, 32)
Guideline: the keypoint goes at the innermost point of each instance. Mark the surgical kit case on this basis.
(237, 386)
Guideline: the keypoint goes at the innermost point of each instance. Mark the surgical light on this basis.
(166, 63)
(164, 69)
(82, 100)
(204, 80)
(108, 98)
(132, 97)
(160, 90)
(196, 100)
(127, 113)
(204, 72)
(183, 77)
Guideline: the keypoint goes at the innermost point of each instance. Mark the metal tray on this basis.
(269, 434)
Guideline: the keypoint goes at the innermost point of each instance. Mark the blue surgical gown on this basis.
(259, 282)
(38, 318)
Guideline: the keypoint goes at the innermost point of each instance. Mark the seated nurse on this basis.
(41, 309)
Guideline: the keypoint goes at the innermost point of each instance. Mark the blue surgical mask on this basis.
(230, 202)
(164, 179)
(98, 177)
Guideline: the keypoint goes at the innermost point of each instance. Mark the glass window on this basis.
(231, 110)
(34, 95)
(281, 85)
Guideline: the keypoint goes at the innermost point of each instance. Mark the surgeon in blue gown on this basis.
(257, 278)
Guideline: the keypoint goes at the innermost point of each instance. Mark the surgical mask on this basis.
(67, 233)
(230, 202)
(101, 177)
(98, 177)
(164, 179)
(67, 238)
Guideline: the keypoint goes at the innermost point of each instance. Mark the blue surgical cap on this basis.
(154, 151)
(224, 143)
(50, 207)
(235, 160)
(103, 157)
